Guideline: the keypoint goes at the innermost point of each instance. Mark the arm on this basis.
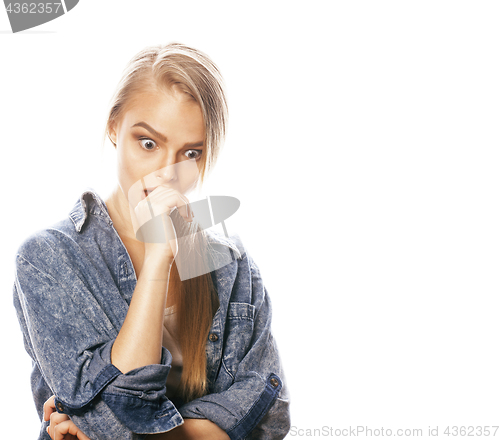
(139, 341)
(70, 338)
(62, 428)
(73, 324)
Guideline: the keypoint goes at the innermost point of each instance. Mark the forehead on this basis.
(153, 88)
(165, 110)
(155, 97)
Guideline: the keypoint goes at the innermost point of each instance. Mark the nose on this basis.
(168, 173)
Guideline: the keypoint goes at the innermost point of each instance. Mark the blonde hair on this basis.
(162, 67)
(159, 68)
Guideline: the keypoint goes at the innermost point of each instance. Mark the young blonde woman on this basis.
(139, 321)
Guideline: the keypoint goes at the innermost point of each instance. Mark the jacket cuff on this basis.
(137, 398)
(216, 408)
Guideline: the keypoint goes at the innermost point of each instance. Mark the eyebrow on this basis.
(164, 138)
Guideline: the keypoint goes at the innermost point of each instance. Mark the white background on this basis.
(364, 148)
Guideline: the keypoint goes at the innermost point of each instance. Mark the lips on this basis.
(146, 192)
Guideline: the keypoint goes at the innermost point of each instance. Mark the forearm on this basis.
(192, 429)
(139, 341)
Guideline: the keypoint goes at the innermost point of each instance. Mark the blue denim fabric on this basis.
(73, 285)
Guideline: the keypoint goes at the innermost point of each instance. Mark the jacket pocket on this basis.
(238, 334)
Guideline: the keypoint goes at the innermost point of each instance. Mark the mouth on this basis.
(148, 191)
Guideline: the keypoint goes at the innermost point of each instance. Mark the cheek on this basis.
(129, 175)
(189, 177)
(125, 171)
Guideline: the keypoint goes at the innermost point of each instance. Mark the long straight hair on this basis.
(196, 301)
(161, 68)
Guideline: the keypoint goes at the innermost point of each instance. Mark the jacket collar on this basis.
(88, 203)
(91, 203)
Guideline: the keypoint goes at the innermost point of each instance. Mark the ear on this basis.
(112, 133)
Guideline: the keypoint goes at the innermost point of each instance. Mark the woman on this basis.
(138, 320)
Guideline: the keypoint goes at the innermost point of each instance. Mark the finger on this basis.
(159, 203)
(62, 431)
(48, 408)
(185, 207)
(55, 419)
(170, 198)
(182, 204)
(69, 431)
(164, 199)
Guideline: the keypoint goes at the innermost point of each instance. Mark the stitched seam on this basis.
(239, 318)
(38, 270)
(73, 217)
(227, 371)
(149, 403)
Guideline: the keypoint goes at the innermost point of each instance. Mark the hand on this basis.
(61, 427)
(161, 202)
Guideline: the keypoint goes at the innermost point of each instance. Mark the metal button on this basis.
(274, 382)
(60, 407)
(213, 337)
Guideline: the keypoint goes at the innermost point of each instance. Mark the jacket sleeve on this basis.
(69, 337)
(250, 398)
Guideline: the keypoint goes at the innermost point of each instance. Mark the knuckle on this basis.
(48, 402)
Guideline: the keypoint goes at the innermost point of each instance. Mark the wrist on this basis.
(156, 267)
(161, 250)
(158, 257)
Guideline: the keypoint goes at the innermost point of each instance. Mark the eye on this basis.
(147, 144)
(193, 154)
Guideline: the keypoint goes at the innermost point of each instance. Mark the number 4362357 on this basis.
(33, 8)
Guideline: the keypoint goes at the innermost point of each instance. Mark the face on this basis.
(159, 141)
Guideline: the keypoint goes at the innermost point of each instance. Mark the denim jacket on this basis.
(73, 285)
